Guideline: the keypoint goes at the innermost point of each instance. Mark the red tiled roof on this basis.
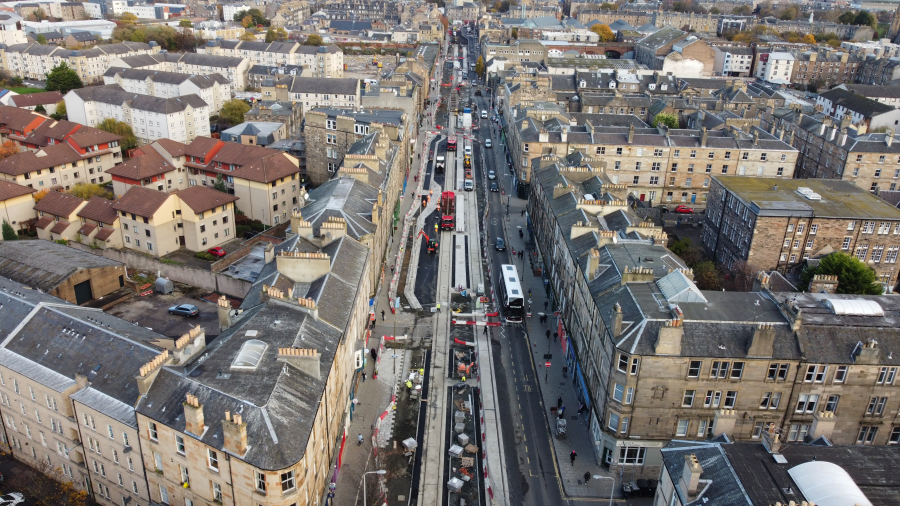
(200, 146)
(44, 222)
(11, 190)
(267, 169)
(34, 99)
(142, 167)
(58, 204)
(87, 229)
(201, 198)
(49, 156)
(60, 227)
(99, 209)
(141, 201)
(87, 136)
(104, 234)
(174, 148)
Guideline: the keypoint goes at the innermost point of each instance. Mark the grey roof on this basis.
(661, 38)
(856, 103)
(45, 264)
(160, 76)
(279, 403)
(83, 36)
(868, 90)
(115, 95)
(368, 116)
(334, 86)
(348, 25)
(264, 131)
(346, 198)
(724, 489)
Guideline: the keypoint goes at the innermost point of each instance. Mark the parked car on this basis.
(500, 245)
(487, 143)
(484, 114)
(250, 234)
(11, 499)
(492, 175)
(684, 209)
(494, 187)
(663, 209)
(185, 310)
(216, 252)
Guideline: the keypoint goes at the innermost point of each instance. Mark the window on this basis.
(217, 492)
(618, 392)
(260, 482)
(737, 370)
(151, 432)
(613, 421)
(876, 406)
(798, 431)
(629, 395)
(730, 399)
(832, 403)
(109, 430)
(287, 481)
(688, 400)
(632, 455)
(866, 435)
(840, 374)
(682, 428)
(693, 153)
(130, 464)
(815, 373)
(807, 403)
(886, 376)
(212, 460)
(157, 461)
(846, 244)
(623, 363)
(718, 369)
(694, 368)
(179, 444)
(185, 476)
(125, 439)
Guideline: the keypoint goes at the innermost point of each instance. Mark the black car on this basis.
(250, 234)
(494, 187)
(500, 245)
(185, 310)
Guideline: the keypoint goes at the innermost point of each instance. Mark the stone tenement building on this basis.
(656, 359)
(659, 166)
(832, 150)
(331, 132)
(824, 68)
(778, 224)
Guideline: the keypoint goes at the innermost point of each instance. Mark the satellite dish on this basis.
(306, 196)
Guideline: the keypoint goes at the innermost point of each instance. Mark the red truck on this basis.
(448, 211)
(451, 144)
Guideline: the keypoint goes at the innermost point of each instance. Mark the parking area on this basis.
(152, 312)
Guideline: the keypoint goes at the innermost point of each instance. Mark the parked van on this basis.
(468, 185)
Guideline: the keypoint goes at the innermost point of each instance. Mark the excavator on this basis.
(430, 245)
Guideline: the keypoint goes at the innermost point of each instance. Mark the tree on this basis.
(233, 111)
(219, 184)
(128, 19)
(40, 194)
(111, 125)
(248, 36)
(48, 486)
(281, 34)
(270, 35)
(185, 23)
(514, 33)
(864, 18)
(606, 6)
(670, 120)
(603, 31)
(742, 10)
(854, 277)
(744, 37)
(246, 21)
(313, 40)
(8, 233)
(706, 276)
(8, 149)
(256, 17)
(61, 108)
(479, 66)
(41, 39)
(809, 39)
(40, 109)
(691, 254)
(88, 190)
(788, 13)
(62, 79)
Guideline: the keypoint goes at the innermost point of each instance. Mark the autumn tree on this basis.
(256, 17)
(88, 190)
(706, 276)
(276, 34)
(809, 39)
(8, 149)
(313, 40)
(603, 31)
(128, 19)
(185, 23)
(40, 194)
(233, 111)
(514, 33)
(246, 21)
(111, 125)
(248, 36)
(62, 78)
(479, 66)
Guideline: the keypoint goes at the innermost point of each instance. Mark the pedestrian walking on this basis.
(382, 318)
(587, 477)
(359, 440)
(523, 212)
(438, 307)
(548, 334)
(364, 376)
(485, 330)
(559, 402)
(373, 353)
(555, 336)
(572, 457)
(392, 269)
(545, 305)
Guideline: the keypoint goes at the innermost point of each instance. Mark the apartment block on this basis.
(330, 133)
(323, 61)
(736, 61)
(58, 216)
(863, 111)
(233, 68)
(774, 67)
(34, 61)
(672, 50)
(11, 31)
(659, 166)
(151, 118)
(824, 68)
(269, 433)
(214, 89)
(313, 92)
(158, 223)
(16, 204)
(779, 224)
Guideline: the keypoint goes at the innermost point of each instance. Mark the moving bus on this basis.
(513, 298)
(451, 144)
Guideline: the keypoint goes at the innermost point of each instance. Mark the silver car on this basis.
(487, 143)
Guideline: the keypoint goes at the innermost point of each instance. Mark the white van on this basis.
(468, 185)
(484, 114)
(468, 150)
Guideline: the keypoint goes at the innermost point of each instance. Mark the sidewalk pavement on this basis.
(578, 435)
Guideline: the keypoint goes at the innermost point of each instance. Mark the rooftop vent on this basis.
(808, 193)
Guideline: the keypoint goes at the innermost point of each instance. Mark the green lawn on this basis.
(23, 90)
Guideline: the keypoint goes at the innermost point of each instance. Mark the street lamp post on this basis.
(382, 471)
(612, 490)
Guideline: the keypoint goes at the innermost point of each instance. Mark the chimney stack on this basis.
(869, 353)
(303, 267)
(193, 415)
(593, 263)
(823, 424)
(668, 341)
(149, 371)
(823, 283)
(762, 343)
(889, 136)
(703, 137)
(690, 476)
(724, 422)
(300, 226)
(223, 306)
(631, 134)
(269, 252)
(303, 359)
(617, 320)
(234, 431)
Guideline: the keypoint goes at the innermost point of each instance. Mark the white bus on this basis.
(513, 298)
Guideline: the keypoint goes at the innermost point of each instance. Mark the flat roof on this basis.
(779, 197)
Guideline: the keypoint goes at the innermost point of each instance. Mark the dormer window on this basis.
(663, 87)
(612, 85)
(582, 83)
(651, 86)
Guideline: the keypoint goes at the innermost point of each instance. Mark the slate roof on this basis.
(856, 103)
(45, 264)
(725, 488)
(661, 38)
(114, 94)
(868, 90)
(163, 77)
(58, 204)
(344, 197)
(202, 198)
(333, 86)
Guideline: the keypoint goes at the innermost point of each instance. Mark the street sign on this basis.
(547, 364)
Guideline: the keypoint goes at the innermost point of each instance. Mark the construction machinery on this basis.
(431, 246)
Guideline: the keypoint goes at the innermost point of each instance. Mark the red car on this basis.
(684, 209)
(216, 252)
